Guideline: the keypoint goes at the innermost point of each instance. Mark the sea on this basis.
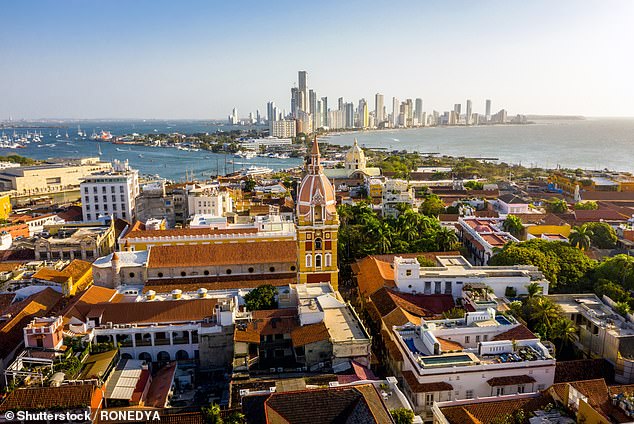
(591, 143)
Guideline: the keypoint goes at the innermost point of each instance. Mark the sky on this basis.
(87, 59)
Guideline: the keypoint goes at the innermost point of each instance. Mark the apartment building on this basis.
(111, 193)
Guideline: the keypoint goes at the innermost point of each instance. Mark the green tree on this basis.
(586, 206)
(618, 269)
(520, 254)
(402, 416)
(474, 185)
(557, 206)
(262, 297)
(249, 185)
(513, 225)
(446, 238)
(543, 313)
(611, 290)
(235, 418)
(602, 235)
(211, 414)
(534, 290)
(453, 313)
(580, 237)
(623, 308)
(432, 205)
(565, 331)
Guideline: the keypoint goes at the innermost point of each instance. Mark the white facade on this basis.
(455, 272)
(110, 194)
(283, 128)
(469, 358)
(209, 201)
(395, 192)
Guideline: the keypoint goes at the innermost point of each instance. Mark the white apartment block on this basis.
(395, 192)
(283, 129)
(454, 273)
(110, 193)
(480, 355)
(601, 331)
(210, 201)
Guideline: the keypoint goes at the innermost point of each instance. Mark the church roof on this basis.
(316, 188)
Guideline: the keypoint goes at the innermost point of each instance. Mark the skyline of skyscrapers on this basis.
(310, 112)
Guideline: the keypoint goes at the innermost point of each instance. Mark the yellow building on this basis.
(5, 206)
(317, 224)
(75, 277)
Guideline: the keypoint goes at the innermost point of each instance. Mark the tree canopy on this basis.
(262, 297)
(432, 205)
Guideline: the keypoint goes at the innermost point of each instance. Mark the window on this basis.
(123, 215)
(103, 189)
(96, 199)
(183, 273)
(328, 259)
(469, 394)
(228, 271)
(317, 244)
(318, 261)
(447, 287)
(94, 189)
(478, 339)
(408, 272)
(206, 272)
(114, 198)
(160, 275)
(293, 268)
(540, 387)
(437, 285)
(429, 399)
(272, 269)
(499, 391)
(120, 189)
(122, 198)
(521, 388)
(251, 270)
(132, 275)
(114, 206)
(466, 339)
(309, 261)
(105, 199)
(87, 207)
(85, 190)
(485, 337)
(111, 189)
(88, 217)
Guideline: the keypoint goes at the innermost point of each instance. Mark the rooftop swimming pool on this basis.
(502, 320)
(434, 361)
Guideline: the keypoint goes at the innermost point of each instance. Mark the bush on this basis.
(262, 297)
(402, 416)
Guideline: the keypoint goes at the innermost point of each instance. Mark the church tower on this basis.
(317, 224)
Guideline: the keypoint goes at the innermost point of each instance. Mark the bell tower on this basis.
(317, 224)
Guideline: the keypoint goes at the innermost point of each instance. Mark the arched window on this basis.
(160, 275)
(318, 261)
(317, 213)
(309, 261)
(317, 244)
(328, 259)
(183, 273)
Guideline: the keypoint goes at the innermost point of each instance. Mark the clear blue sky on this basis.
(199, 59)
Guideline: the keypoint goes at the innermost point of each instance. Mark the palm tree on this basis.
(513, 225)
(382, 234)
(446, 238)
(534, 289)
(545, 312)
(564, 330)
(580, 237)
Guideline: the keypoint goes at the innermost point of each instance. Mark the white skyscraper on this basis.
(396, 110)
(379, 109)
(468, 113)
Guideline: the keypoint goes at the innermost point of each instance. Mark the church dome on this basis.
(355, 158)
(316, 195)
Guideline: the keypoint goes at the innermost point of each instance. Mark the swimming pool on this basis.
(432, 361)
(502, 320)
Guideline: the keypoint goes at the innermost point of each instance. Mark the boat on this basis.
(256, 170)
(80, 133)
(140, 155)
(123, 150)
(99, 149)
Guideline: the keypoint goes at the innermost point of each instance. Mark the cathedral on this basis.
(317, 224)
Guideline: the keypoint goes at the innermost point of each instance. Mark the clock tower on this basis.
(317, 224)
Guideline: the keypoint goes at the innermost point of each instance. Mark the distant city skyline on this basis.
(166, 60)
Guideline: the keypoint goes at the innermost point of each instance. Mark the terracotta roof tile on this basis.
(307, 334)
(160, 311)
(510, 380)
(494, 411)
(267, 322)
(417, 387)
(332, 405)
(39, 398)
(519, 332)
(138, 232)
(222, 254)
(583, 369)
(449, 345)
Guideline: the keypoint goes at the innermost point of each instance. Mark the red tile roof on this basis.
(260, 252)
(510, 380)
(417, 387)
(168, 311)
(520, 332)
(494, 411)
(267, 322)
(58, 398)
(308, 334)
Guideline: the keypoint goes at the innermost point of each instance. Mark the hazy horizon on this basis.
(198, 60)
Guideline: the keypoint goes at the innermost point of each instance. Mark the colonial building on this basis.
(317, 224)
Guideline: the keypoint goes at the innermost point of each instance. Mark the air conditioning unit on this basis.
(280, 369)
(109, 325)
(244, 392)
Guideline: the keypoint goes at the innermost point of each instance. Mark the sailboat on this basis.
(80, 133)
(99, 149)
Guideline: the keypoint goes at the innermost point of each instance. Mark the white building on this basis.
(285, 128)
(455, 272)
(511, 204)
(482, 236)
(395, 192)
(602, 332)
(208, 200)
(111, 193)
(479, 355)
